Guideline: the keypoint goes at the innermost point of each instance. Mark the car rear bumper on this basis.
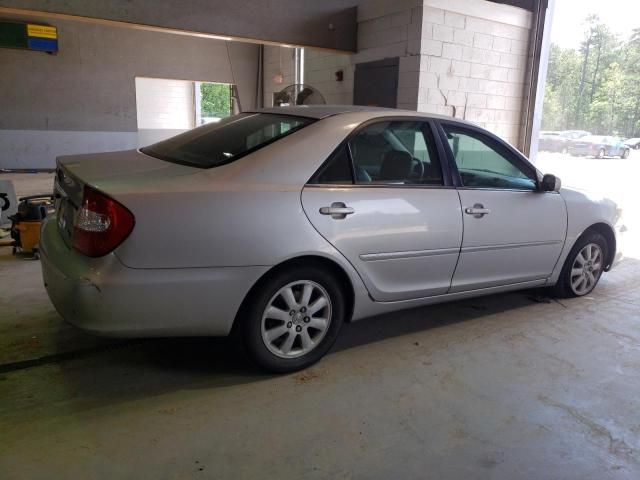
(104, 297)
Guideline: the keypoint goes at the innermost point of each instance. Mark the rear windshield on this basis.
(215, 144)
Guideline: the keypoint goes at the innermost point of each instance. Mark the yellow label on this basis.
(41, 31)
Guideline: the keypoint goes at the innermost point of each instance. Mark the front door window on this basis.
(482, 166)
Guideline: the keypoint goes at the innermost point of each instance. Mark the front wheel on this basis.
(293, 319)
(626, 153)
(600, 154)
(583, 267)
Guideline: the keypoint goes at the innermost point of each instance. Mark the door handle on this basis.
(478, 210)
(337, 210)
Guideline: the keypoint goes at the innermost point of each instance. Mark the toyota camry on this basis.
(280, 225)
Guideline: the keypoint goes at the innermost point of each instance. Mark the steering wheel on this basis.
(5, 201)
(417, 169)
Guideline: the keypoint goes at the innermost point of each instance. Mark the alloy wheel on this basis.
(586, 269)
(296, 319)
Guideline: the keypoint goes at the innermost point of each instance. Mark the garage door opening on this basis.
(167, 107)
(590, 135)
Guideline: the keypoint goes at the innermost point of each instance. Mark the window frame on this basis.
(494, 142)
(439, 152)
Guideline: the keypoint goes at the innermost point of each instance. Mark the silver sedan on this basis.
(282, 224)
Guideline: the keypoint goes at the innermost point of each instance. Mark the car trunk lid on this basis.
(110, 173)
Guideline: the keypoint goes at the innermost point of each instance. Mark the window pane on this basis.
(215, 102)
(223, 142)
(481, 166)
(337, 170)
(395, 153)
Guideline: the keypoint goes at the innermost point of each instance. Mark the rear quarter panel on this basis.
(247, 212)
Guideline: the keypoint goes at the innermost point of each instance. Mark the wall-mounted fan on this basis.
(298, 94)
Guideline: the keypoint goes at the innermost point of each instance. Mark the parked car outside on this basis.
(553, 142)
(633, 143)
(599, 147)
(282, 224)
(573, 134)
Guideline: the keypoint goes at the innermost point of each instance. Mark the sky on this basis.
(620, 15)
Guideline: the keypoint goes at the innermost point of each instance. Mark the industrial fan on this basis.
(298, 94)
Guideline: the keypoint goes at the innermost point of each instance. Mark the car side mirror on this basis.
(550, 183)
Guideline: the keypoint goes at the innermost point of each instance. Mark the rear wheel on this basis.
(601, 153)
(583, 267)
(626, 153)
(293, 319)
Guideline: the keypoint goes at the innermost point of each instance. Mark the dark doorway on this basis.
(376, 83)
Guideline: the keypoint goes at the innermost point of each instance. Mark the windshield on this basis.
(215, 144)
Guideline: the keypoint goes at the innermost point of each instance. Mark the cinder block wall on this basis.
(320, 67)
(467, 58)
(475, 67)
(164, 108)
(393, 29)
(83, 99)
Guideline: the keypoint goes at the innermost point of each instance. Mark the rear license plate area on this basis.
(66, 218)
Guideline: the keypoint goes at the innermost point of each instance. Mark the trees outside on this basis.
(595, 87)
(215, 99)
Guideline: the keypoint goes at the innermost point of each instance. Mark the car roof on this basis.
(323, 111)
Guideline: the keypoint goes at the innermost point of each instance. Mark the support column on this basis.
(462, 58)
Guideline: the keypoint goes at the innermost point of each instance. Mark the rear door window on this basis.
(219, 143)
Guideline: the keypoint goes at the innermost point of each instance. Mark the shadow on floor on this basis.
(146, 368)
(137, 369)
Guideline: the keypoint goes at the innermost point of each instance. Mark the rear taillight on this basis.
(101, 224)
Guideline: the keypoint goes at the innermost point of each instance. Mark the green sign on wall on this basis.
(30, 36)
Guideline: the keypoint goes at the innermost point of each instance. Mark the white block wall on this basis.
(473, 62)
(393, 29)
(320, 67)
(453, 53)
(164, 104)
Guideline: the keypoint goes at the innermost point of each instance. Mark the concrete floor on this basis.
(508, 386)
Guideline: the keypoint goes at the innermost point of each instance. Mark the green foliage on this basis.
(595, 87)
(216, 99)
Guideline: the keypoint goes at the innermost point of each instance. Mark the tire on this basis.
(600, 154)
(566, 286)
(625, 153)
(267, 336)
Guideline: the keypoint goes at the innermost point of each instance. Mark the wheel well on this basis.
(307, 261)
(607, 232)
